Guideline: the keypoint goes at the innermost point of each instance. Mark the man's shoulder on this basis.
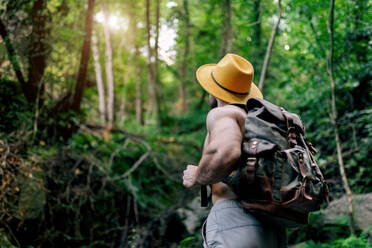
(224, 114)
(231, 111)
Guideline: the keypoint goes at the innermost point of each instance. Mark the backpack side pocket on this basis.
(301, 188)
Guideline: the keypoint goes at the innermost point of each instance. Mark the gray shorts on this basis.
(230, 226)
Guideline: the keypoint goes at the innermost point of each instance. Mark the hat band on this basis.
(234, 92)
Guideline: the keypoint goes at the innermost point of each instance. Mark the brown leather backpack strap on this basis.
(246, 167)
(291, 135)
(290, 160)
(249, 172)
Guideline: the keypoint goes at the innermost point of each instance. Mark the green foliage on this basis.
(319, 232)
(82, 186)
(4, 242)
(191, 241)
(350, 242)
(14, 110)
(297, 79)
(187, 242)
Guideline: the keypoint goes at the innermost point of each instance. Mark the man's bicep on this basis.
(206, 141)
(225, 133)
(223, 149)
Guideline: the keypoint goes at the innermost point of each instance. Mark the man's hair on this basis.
(212, 102)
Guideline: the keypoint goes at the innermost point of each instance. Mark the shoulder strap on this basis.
(240, 105)
(203, 196)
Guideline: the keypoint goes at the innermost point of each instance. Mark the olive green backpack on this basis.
(277, 173)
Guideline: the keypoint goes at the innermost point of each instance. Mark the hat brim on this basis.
(203, 75)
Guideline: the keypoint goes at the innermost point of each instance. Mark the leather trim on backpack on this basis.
(276, 209)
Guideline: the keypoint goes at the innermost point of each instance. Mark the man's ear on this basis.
(212, 102)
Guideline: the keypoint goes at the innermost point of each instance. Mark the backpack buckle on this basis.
(251, 161)
(249, 171)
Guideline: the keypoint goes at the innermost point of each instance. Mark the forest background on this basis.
(100, 112)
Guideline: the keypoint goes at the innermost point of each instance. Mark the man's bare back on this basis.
(221, 191)
(225, 125)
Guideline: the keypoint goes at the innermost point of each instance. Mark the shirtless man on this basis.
(222, 149)
(228, 225)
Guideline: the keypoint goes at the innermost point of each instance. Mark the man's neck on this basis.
(221, 103)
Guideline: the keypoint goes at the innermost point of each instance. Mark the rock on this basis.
(300, 245)
(362, 211)
(32, 199)
(193, 215)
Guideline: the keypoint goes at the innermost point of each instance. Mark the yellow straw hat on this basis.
(230, 80)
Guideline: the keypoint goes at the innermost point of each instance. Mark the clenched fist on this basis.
(189, 176)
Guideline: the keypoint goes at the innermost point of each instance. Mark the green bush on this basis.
(350, 242)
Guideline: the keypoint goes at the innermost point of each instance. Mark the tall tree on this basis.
(334, 120)
(258, 52)
(38, 51)
(100, 86)
(85, 52)
(109, 73)
(153, 109)
(269, 48)
(257, 23)
(186, 48)
(226, 36)
(156, 48)
(136, 59)
(139, 108)
(360, 40)
(13, 57)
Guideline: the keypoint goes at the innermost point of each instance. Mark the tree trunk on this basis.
(139, 109)
(37, 53)
(269, 48)
(183, 76)
(257, 25)
(100, 87)
(153, 101)
(81, 78)
(109, 74)
(122, 109)
(136, 64)
(361, 93)
(156, 48)
(13, 57)
(334, 122)
(38, 50)
(258, 52)
(226, 36)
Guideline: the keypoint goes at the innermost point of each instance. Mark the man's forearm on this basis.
(212, 168)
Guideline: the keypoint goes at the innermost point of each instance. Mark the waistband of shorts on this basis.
(226, 204)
